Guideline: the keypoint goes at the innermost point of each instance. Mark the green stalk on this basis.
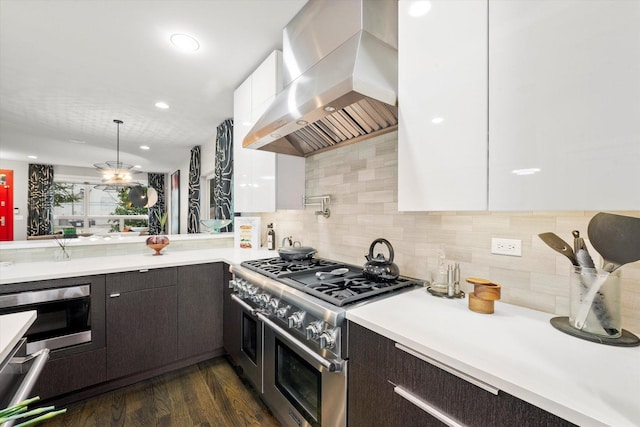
(41, 418)
(31, 413)
(18, 407)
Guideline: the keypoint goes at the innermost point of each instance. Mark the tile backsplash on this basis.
(362, 181)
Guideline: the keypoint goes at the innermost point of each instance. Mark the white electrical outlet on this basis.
(511, 247)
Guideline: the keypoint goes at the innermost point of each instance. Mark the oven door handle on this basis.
(329, 365)
(48, 295)
(243, 304)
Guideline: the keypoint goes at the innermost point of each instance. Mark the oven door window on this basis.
(57, 318)
(250, 337)
(299, 382)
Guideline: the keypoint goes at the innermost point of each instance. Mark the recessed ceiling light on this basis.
(329, 109)
(419, 8)
(437, 120)
(275, 135)
(302, 122)
(137, 166)
(184, 42)
(162, 105)
(32, 157)
(77, 141)
(144, 147)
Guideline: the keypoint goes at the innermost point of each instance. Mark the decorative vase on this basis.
(157, 243)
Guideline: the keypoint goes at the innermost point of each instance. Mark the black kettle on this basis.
(380, 269)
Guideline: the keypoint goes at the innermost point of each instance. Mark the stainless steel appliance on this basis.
(304, 340)
(63, 319)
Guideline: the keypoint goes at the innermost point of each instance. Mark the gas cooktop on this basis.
(341, 290)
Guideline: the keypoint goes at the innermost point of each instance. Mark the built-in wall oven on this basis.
(65, 312)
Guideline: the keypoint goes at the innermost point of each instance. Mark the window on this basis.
(91, 209)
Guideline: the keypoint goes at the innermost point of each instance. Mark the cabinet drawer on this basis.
(464, 401)
(71, 373)
(142, 279)
(371, 351)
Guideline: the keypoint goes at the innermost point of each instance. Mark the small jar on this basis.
(601, 316)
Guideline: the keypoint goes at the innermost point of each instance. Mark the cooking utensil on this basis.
(557, 244)
(322, 275)
(380, 269)
(617, 239)
(296, 253)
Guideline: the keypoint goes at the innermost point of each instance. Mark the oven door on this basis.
(251, 350)
(63, 320)
(299, 387)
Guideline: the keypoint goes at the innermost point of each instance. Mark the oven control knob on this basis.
(263, 300)
(251, 291)
(328, 339)
(273, 305)
(314, 329)
(282, 311)
(295, 320)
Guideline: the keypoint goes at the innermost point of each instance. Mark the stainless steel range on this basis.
(294, 341)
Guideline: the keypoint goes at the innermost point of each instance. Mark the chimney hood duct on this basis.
(340, 75)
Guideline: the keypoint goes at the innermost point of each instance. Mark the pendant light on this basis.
(116, 175)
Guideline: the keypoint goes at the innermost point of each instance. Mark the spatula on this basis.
(557, 244)
(617, 239)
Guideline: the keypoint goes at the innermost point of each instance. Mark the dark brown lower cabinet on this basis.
(391, 387)
(141, 321)
(199, 309)
(70, 373)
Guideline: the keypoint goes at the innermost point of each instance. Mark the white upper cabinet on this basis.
(564, 105)
(263, 181)
(442, 103)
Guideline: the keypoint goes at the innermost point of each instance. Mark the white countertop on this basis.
(517, 351)
(45, 270)
(12, 327)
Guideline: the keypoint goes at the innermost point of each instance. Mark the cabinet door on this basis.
(199, 309)
(564, 105)
(263, 181)
(442, 98)
(141, 330)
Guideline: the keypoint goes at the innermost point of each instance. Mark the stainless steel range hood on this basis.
(340, 75)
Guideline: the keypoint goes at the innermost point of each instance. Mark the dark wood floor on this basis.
(207, 394)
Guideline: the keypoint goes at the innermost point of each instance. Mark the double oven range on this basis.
(294, 340)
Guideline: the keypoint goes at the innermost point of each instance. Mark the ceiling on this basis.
(68, 68)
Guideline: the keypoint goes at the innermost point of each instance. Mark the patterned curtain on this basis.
(157, 182)
(40, 200)
(193, 215)
(223, 183)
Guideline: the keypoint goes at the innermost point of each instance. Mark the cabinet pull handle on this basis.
(468, 378)
(426, 407)
(144, 270)
(114, 295)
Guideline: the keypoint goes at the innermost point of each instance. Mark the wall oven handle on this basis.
(243, 304)
(426, 407)
(35, 297)
(329, 365)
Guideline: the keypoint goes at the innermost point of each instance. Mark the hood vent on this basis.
(341, 77)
